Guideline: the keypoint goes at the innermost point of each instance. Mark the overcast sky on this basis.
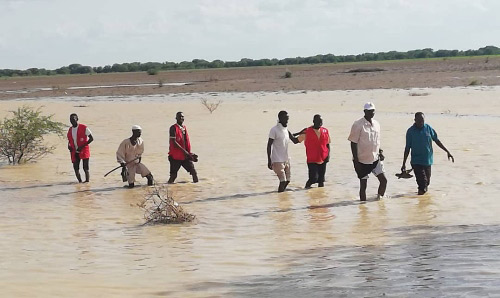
(54, 33)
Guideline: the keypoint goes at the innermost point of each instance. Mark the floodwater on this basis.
(60, 238)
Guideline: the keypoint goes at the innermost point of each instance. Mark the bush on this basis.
(153, 71)
(211, 106)
(288, 74)
(21, 137)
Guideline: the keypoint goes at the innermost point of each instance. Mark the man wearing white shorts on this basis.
(277, 150)
(366, 153)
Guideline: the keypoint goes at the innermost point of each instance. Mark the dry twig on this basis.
(160, 208)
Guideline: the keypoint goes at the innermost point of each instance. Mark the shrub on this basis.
(161, 82)
(211, 106)
(474, 83)
(152, 71)
(288, 74)
(21, 137)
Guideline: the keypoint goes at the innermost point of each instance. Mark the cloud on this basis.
(52, 33)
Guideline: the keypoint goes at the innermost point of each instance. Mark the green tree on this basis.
(21, 137)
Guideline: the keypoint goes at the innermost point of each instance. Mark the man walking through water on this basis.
(79, 138)
(366, 153)
(179, 153)
(419, 139)
(129, 155)
(317, 142)
(277, 150)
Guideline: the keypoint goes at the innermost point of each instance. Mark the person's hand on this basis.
(327, 159)
(79, 149)
(403, 168)
(69, 148)
(123, 164)
(269, 165)
(451, 157)
(357, 164)
(381, 155)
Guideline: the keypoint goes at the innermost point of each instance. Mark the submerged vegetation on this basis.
(153, 68)
(21, 137)
(160, 208)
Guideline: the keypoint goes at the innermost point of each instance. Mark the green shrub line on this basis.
(153, 68)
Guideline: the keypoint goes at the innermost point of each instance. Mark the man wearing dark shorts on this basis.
(419, 139)
(79, 138)
(180, 150)
(366, 153)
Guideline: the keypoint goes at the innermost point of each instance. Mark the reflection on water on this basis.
(60, 238)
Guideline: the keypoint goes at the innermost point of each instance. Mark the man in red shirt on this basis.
(317, 141)
(180, 150)
(79, 138)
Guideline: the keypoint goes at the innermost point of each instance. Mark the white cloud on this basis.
(53, 33)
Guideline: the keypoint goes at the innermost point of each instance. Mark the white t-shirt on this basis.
(279, 149)
(74, 130)
(367, 136)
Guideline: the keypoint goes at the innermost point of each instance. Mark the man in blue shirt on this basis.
(419, 139)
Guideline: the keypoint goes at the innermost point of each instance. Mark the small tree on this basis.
(211, 106)
(21, 137)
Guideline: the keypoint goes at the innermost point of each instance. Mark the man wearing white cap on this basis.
(366, 153)
(129, 155)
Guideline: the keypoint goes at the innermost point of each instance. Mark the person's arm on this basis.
(292, 138)
(174, 141)
(407, 149)
(405, 157)
(269, 145)
(303, 131)
(354, 150)
(438, 142)
(88, 133)
(120, 154)
(327, 159)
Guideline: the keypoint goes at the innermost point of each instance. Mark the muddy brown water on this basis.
(60, 238)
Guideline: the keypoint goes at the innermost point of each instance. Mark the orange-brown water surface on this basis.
(61, 238)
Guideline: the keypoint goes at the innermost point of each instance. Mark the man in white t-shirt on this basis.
(79, 138)
(277, 150)
(366, 153)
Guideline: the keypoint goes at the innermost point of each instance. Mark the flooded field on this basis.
(60, 238)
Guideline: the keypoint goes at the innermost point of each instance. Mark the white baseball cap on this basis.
(136, 127)
(369, 106)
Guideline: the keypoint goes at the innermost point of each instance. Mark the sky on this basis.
(54, 33)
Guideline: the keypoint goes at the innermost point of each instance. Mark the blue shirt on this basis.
(419, 140)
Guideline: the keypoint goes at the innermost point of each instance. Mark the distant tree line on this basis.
(154, 67)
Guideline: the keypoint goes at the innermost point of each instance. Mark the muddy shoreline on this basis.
(433, 73)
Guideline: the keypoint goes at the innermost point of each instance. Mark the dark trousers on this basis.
(422, 175)
(175, 165)
(316, 173)
(76, 164)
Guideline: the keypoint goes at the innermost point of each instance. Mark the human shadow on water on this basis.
(330, 205)
(36, 186)
(91, 190)
(230, 197)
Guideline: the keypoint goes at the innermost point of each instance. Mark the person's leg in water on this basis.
(382, 185)
(421, 178)
(76, 167)
(86, 169)
(321, 174)
(175, 165)
(131, 167)
(313, 174)
(428, 173)
(363, 182)
(288, 173)
(279, 169)
(188, 165)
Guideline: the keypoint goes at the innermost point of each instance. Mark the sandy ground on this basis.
(433, 73)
